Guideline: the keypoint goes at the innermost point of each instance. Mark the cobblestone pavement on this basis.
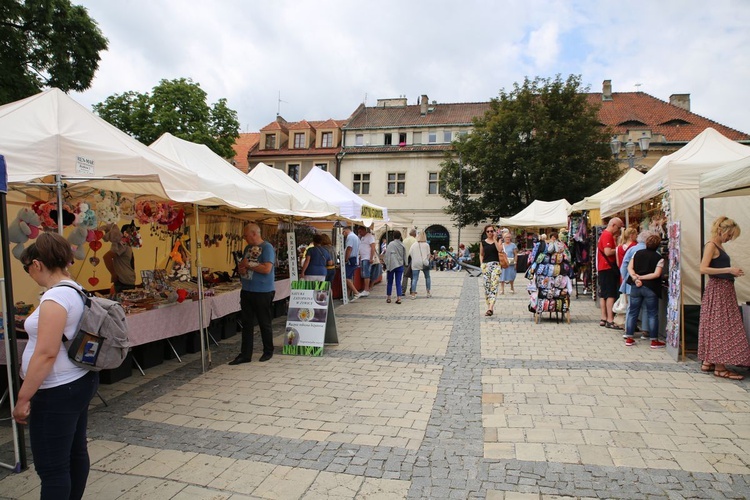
(425, 399)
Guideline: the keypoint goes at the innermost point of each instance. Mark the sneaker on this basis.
(429, 294)
(655, 344)
(630, 341)
(364, 293)
(355, 296)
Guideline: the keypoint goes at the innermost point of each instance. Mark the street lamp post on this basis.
(615, 146)
(460, 200)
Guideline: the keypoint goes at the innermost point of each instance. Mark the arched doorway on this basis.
(437, 236)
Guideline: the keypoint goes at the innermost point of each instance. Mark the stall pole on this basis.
(59, 189)
(703, 239)
(199, 272)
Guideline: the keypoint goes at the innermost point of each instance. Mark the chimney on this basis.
(607, 90)
(680, 100)
(423, 105)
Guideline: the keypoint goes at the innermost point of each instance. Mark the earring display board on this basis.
(308, 319)
(674, 293)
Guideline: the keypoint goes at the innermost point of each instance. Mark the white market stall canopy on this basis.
(540, 214)
(679, 174)
(218, 176)
(733, 179)
(49, 134)
(303, 200)
(594, 201)
(324, 185)
(679, 170)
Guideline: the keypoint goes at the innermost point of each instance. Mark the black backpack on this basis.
(101, 342)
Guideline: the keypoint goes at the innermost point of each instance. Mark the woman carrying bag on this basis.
(420, 262)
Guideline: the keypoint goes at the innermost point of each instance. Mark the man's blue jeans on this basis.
(57, 428)
(638, 296)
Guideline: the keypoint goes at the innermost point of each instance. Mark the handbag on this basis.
(621, 304)
(425, 266)
(503, 260)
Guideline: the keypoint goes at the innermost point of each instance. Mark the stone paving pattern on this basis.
(427, 399)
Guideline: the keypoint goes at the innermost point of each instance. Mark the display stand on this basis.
(551, 286)
(310, 324)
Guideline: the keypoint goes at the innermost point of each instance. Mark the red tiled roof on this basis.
(303, 125)
(276, 125)
(411, 116)
(243, 145)
(627, 109)
(420, 148)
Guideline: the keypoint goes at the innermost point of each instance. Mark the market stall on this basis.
(668, 194)
(304, 201)
(352, 207)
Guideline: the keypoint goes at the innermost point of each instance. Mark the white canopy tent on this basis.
(594, 201)
(353, 207)
(540, 214)
(678, 174)
(50, 134)
(303, 200)
(725, 191)
(218, 176)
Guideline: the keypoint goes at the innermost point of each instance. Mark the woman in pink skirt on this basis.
(721, 334)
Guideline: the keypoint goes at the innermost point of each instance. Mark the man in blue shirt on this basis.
(256, 271)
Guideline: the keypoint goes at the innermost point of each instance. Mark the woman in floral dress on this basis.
(721, 334)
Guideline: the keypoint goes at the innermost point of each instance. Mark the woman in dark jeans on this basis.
(644, 278)
(55, 394)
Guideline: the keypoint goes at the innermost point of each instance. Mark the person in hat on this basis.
(119, 260)
(442, 258)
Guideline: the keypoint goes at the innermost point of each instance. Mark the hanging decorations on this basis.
(85, 222)
(107, 209)
(23, 228)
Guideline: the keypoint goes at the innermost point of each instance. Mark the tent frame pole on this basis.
(199, 274)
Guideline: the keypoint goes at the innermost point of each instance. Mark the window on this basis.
(322, 166)
(359, 140)
(396, 183)
(402, 138)
(434, 186)
(299, 140)
(270, 141)
(361, 184)
(416, 138)
(388, 139)
(293, 171)
(447, 136)
(326, 140)
(432, 137)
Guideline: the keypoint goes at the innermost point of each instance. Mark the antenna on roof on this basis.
(365, 101)
(638, 87)
(278, 105)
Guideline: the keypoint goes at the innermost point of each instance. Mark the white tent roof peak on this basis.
(594, 201)
(303, 200)
(324, 185)
(539, 214)
(229, 185)
(50, 134)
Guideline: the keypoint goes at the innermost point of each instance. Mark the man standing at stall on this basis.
(366, 252)
(119, 260)
(608, 272)
(351, 243)
(256, 271)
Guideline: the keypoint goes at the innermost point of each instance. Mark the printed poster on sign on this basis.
(307, 317)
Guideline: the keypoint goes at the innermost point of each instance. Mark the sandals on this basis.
(389, 300)
(602, 322)
(613, 326)
(728, 374)
(707, 367)
(488, 313)
(398, 300)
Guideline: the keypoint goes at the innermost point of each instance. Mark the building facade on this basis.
(390, 154)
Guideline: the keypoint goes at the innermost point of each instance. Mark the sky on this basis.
(320, 59)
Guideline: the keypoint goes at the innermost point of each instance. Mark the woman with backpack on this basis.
(55, 394)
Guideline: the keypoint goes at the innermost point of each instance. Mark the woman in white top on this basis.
(420, 261)
(55, 393)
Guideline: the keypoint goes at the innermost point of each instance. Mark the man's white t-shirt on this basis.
(365, 247)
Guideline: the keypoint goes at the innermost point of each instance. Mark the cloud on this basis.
(324, 57)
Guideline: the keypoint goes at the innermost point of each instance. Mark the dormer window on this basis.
(326, 140)
(270, 141)
(299, 140)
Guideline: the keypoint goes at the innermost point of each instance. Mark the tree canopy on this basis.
(177, 106)
(543, 140)
(46, 43)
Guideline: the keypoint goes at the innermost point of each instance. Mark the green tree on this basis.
(177, 106)
(541, 141)
(46, 43)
